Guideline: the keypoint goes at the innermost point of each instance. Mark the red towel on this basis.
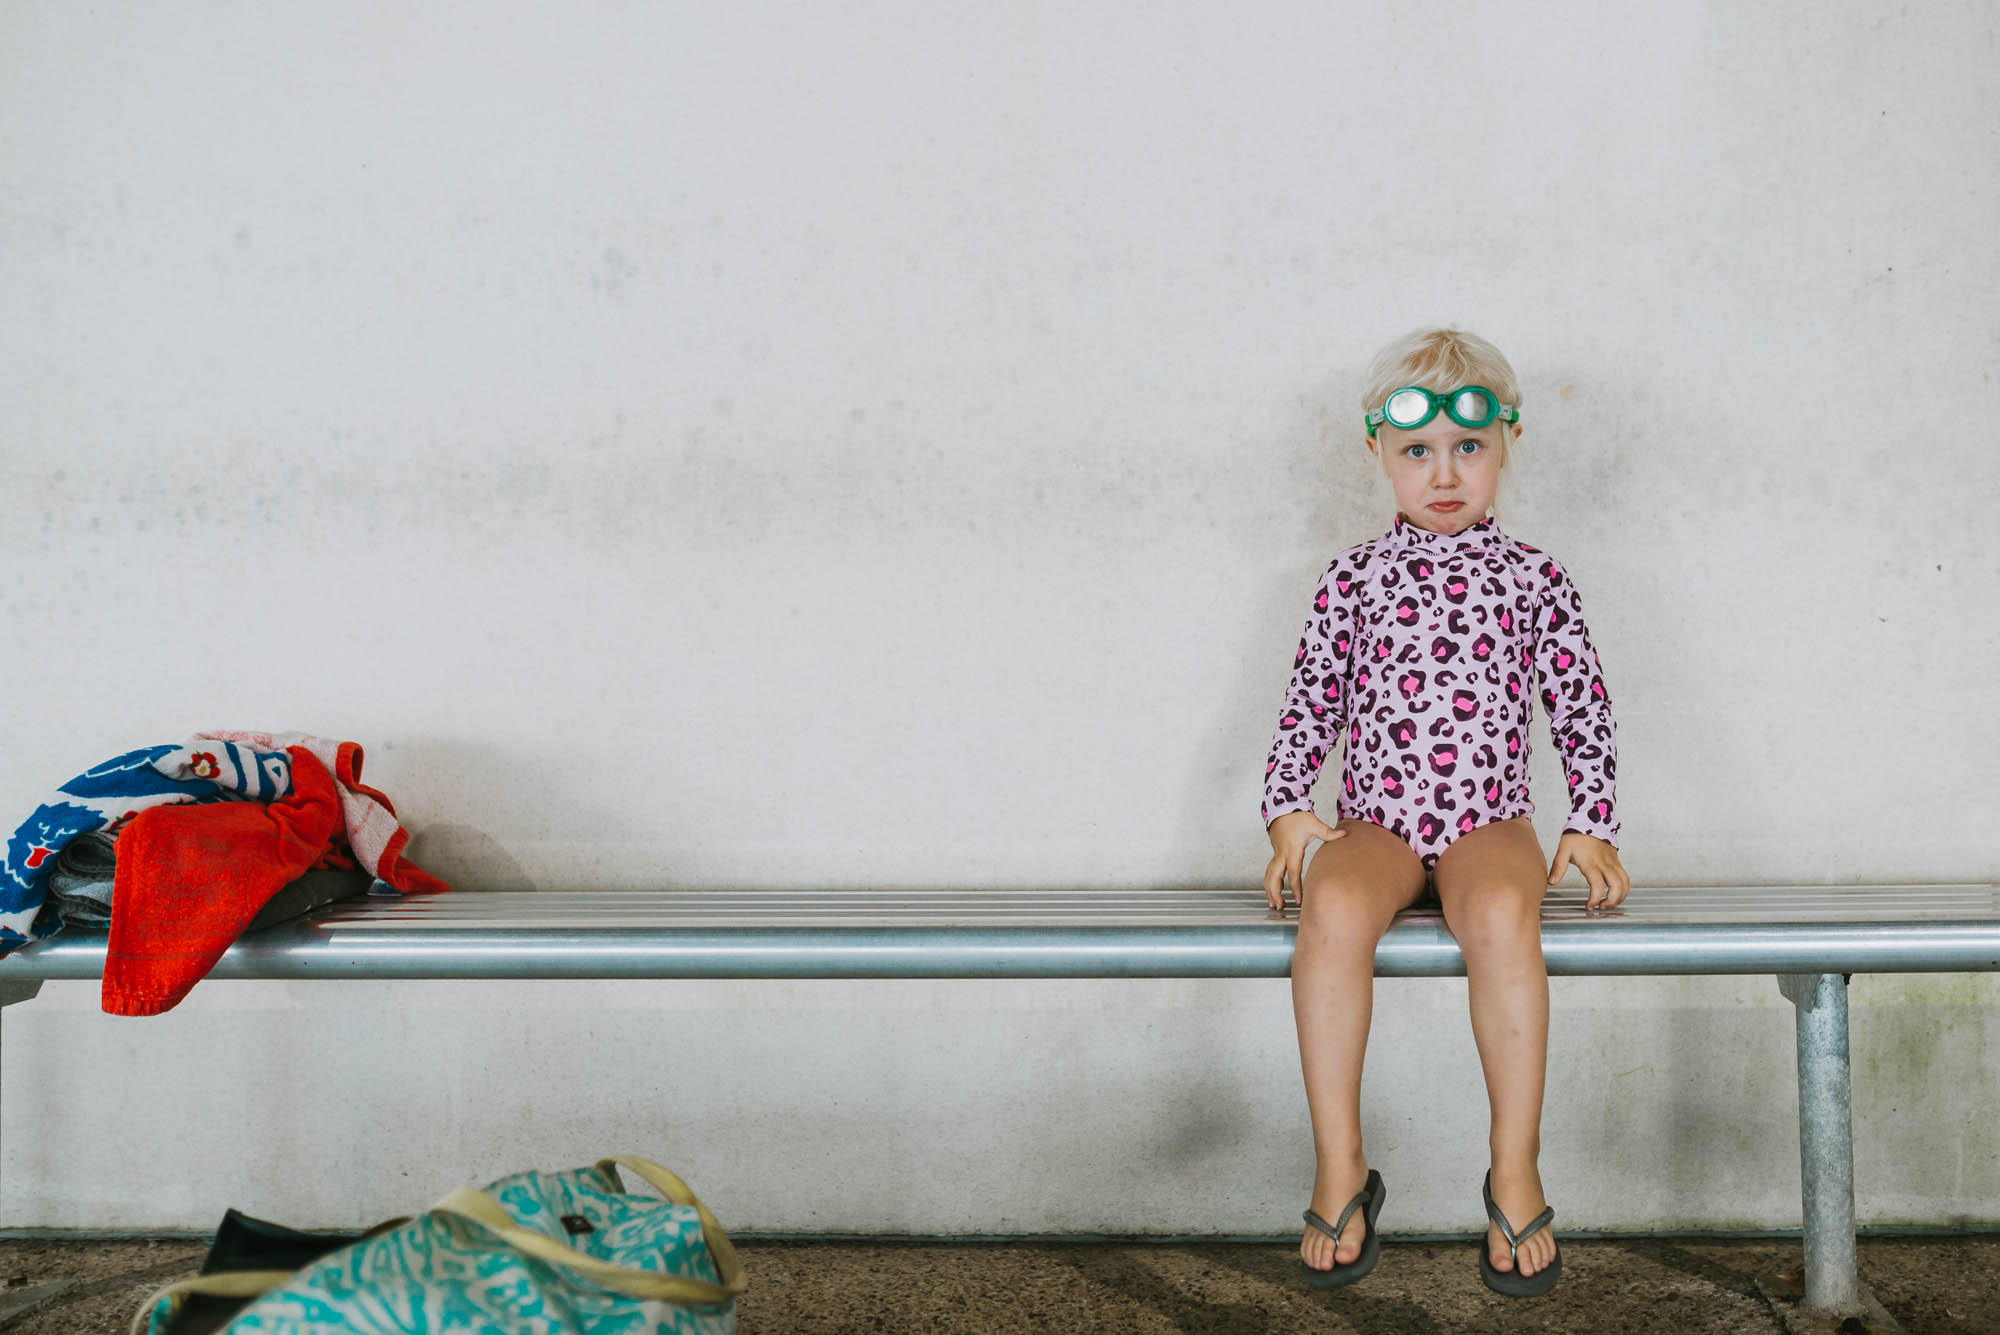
(191, 877)
(372, 829)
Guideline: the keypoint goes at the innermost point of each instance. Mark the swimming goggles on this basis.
(1472, 406)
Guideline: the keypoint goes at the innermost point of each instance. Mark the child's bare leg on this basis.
(1491, 883)
(1353, 887)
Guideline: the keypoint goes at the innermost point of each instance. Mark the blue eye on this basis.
(1468, 447)
(1417, 451)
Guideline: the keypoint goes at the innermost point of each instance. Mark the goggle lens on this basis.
(1408, 408)
(1473, 407)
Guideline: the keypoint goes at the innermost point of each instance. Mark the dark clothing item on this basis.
(85, 871)
(80, 882)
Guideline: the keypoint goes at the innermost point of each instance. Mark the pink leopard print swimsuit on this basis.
(1419, 649)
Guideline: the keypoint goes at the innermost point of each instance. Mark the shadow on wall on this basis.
(463, 777)
(1331, 499)
(467, 858)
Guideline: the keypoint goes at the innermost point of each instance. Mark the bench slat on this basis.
(1065, 933)
(528, 911)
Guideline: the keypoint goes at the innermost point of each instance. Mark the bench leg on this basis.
(1826, 1142)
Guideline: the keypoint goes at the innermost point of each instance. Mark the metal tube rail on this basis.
(859, 953)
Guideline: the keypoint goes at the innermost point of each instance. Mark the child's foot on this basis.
(1333, 1188)
(1518, 1193)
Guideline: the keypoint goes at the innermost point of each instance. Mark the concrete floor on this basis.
(1931, 1286)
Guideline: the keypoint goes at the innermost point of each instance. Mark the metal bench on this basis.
(1810, 937)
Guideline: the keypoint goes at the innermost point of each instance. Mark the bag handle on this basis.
(227, 1284)
(720, 1248)
(630, 1281)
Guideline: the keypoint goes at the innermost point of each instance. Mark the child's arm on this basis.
(1314, 714)
(1579, 709)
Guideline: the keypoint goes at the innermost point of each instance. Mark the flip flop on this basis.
(1512, 1282)
(1369, 1201)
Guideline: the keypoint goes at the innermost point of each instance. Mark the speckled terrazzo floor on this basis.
(1931, 1286)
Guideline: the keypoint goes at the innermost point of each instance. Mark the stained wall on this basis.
(893, 444)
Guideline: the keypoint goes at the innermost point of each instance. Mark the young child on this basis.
(1419, 656)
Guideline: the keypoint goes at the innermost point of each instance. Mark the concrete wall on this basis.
(775, 445)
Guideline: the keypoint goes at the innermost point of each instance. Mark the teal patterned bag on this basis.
(549, 1253)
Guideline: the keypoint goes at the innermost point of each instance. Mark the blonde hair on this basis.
(1438, 360)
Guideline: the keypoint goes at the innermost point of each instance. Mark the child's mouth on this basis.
(1446, 507)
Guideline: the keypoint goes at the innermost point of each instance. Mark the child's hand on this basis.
(1290, 833)
(1596, 859)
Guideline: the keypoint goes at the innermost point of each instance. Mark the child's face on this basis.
(1444, 475)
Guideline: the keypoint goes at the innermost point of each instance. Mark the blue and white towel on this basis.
(105, 796)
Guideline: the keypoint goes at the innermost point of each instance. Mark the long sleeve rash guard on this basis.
(1418, 654)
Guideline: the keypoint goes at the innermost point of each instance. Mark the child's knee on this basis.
(1496, 916)
(1338, 914)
